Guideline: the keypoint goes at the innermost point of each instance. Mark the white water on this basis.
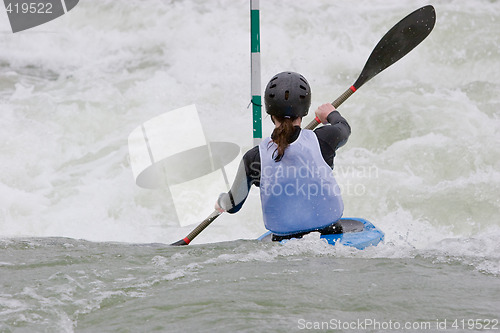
(423, 162)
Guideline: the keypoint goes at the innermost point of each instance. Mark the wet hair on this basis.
(282, 136)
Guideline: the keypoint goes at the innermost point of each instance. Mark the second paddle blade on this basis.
(397, 42)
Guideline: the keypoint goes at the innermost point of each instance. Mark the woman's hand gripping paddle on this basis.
(396, 43)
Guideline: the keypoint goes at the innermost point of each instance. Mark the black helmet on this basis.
(288, 95)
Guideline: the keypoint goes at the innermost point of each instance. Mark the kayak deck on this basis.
(356, 232)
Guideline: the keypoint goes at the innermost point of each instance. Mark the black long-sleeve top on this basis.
(330, 137)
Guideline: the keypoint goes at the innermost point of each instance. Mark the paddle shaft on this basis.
(395, 44)
(196, 231)
(336, 103)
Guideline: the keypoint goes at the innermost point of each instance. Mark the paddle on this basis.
(186, 240)
(396, 43)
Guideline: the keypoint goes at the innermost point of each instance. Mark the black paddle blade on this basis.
(397, 42)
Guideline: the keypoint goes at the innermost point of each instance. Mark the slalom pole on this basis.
(255, 71)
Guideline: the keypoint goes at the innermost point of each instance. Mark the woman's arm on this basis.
(248, 173)
(334, 135)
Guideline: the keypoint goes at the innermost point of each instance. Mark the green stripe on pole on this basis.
(255, 30)
(257, 117)
(255, 70)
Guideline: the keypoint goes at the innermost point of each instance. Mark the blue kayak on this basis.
(352, 231)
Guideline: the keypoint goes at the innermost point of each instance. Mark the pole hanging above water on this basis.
(255, 71)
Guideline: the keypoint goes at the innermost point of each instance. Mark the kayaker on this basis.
(293, 167)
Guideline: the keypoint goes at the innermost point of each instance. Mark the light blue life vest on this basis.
(298, 193)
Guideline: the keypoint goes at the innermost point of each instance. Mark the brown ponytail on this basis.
(282, 136)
